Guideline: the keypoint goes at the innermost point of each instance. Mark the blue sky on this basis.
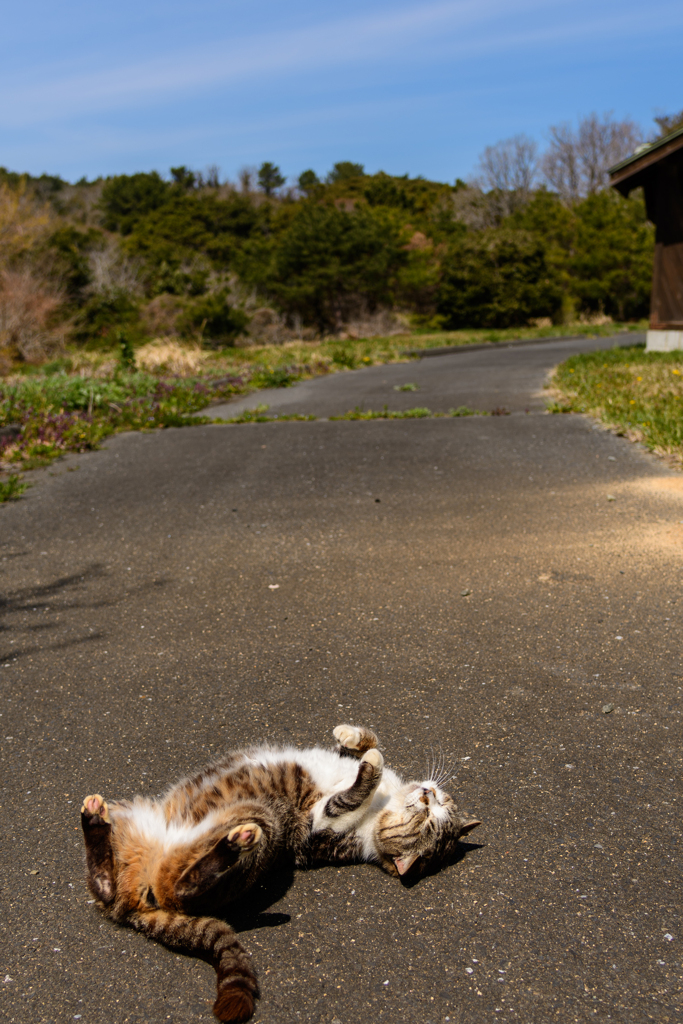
(407, 87)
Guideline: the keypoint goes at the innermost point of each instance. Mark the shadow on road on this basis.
(64, 594)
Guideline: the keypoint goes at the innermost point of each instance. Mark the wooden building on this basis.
(658, 168)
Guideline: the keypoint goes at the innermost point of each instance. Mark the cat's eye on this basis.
(151, 899)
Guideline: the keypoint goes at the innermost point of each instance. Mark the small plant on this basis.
(126, 351)
(280, 377)
(12, 488)
(344, 356)
(464, 410)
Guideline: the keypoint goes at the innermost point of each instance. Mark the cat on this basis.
(165, 866)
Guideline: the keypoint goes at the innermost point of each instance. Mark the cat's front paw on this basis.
(246, 836)
(374, 758)
(348, 736)
(95, 810)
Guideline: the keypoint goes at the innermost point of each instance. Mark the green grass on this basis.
(260, 415)
(12, 488)
(405, 414)
(637, 393)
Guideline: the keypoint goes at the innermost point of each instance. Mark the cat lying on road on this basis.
(158, 864)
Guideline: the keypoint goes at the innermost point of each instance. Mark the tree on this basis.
(610, 266)
(577, 162)
(127, 198)
(307, 181)
(669, 122)
(269, 178)
(497, 278)
(509, 169)
(329, 264)
(184, 178)
(344, 170)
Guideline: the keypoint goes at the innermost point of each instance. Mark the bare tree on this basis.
(246, 178)
(576, 162)
(508, 171)
(510, 165)
(112, 271)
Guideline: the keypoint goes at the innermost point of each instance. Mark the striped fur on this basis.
(166, 866)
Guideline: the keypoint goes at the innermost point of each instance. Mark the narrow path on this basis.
(509, 377)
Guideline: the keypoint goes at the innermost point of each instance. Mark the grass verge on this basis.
(638, 394)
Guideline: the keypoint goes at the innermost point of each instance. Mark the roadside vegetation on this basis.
(638, 394)
(133, 301)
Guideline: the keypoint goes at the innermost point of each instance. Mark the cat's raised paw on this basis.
(348, 736)
(95, 809)
(374, 758)
(245, 835)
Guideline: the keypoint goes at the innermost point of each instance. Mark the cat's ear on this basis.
(405, 863)
(205, 872)
(467, 826)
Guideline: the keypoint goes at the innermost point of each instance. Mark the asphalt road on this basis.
(499, 377)
(140, 635)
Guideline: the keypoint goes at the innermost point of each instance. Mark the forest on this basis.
(125, 259)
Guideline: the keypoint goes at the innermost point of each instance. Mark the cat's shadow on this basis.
(251, 912)
(409, 880)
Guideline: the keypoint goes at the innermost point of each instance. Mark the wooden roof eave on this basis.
(632, 173)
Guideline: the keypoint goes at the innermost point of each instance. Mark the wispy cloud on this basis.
(455, 29)
(243, 61)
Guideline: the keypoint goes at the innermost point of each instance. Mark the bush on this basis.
(104, 315)
(28, 311)
(213, 320)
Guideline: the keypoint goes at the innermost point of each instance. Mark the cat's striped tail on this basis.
(213, 940)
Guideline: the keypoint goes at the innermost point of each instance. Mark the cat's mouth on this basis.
(421, 797)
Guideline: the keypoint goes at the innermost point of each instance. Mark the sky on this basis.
(408, 87)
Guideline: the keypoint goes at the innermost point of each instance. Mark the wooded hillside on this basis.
(142, 256)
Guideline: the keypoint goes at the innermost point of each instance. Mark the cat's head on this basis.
(421, 828)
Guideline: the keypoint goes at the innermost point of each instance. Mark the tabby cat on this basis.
(158, 865)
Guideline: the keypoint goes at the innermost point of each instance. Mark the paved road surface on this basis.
(139, 635)
(486, 379)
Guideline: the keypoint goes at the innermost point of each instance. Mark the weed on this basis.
(464, 410)
(258, 415)
(12, 488)
(126, 353)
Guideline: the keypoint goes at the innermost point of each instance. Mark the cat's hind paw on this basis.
(348, 736)
(95, 810)
(246, 835)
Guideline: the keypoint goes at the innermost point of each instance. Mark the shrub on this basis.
(106, 313)
(28, 311)
(213, 320)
